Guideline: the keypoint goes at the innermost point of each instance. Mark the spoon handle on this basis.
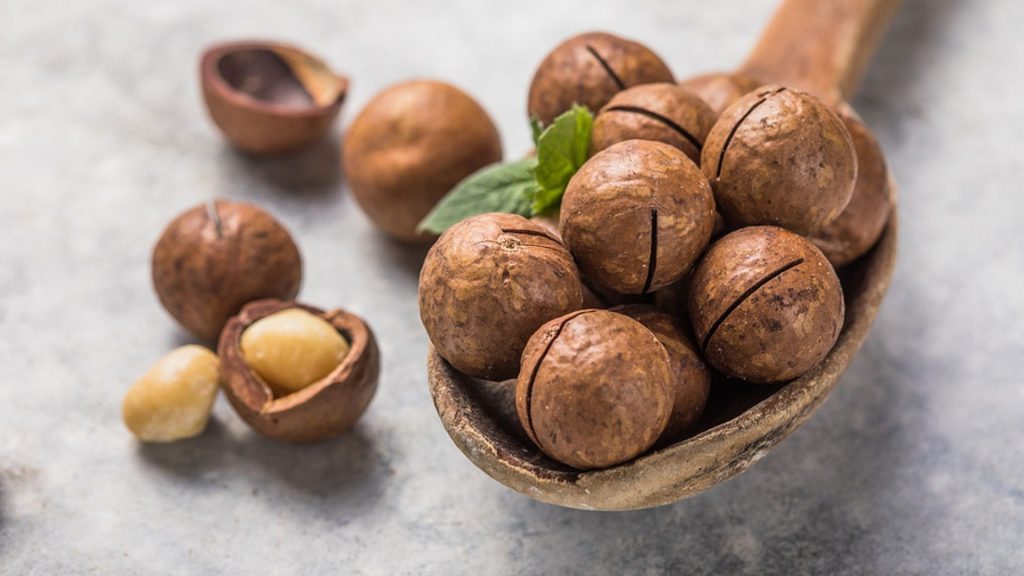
(822, 46)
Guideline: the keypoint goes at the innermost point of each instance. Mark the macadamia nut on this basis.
(780, 157)
(172, 400)
(292, 349)
(691, 378)
(487, 284)
(860, 225)
(409, 146)
(216, 257)
(719, 90)
(661, 112)
(324, 406)
(595, 389)
(588, 70)
(636, 216)
(766, 305)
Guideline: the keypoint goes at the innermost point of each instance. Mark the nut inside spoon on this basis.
(821, 47)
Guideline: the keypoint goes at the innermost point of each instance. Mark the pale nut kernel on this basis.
(292, 349)
(173, 399)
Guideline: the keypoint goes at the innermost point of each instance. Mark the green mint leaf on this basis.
(495, 188)
(561, 149)
(528, 187)
(537, 128)
(546, 199)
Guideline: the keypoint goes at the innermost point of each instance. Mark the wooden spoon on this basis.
(822, 47)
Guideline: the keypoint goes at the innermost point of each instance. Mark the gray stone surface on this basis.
(915, 465)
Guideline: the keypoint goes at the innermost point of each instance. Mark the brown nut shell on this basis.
(594, 390)
(409, 146)
(719, 90)
(779, 156)
(593, 297)
(216, 257)
(588, 70)
(662, 112)
(270, 98)
(486, 286)
(860, 225)
(319, 411)
(765, 304)
(691, 378)
(636, 216)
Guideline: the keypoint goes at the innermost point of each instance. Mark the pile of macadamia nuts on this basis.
(699, 239)
(727, 200)
(229, 272)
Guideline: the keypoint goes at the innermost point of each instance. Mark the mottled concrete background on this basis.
(915, 465)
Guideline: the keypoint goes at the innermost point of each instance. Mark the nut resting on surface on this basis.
(719, 90)
(691, 379)
(486, 286)
(636, 216)
(588, 70)
(410, 145)
(662, 112)
(270, 98)
(173, 399)
(779, 156)
(216, 257)
(595, 389)
(766, 305)
(317, 411)
(292, 349)
(859, 226)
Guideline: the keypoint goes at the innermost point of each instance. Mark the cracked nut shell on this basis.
(486, 286)
(691, 379)
(588, 70)
(719, 90)
(636, 216)
(409, 146)
(594, 390)
(779, 156)
(860, 225)
(270, 98)
(765, 304)
(319, 411)
(662, 112)
(216, 257)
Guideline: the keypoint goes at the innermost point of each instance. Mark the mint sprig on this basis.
(536, 129)
(495, 188)
(561, 149)
(526, 187)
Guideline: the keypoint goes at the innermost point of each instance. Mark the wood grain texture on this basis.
(819, 46)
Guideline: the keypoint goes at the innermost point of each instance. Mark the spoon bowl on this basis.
(742, 421)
